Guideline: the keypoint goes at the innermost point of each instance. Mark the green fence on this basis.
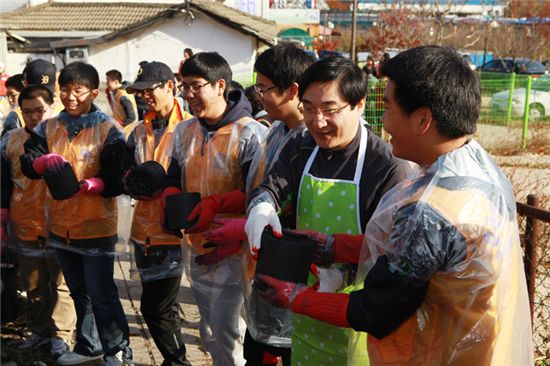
(517, 102)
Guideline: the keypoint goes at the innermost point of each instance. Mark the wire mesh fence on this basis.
(514, 108)
(535, 238)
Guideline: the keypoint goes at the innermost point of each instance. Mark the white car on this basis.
(539, 99)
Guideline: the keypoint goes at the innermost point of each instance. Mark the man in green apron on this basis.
(441, 262)
(335, 174)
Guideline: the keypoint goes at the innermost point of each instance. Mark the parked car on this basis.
(518, 65)
(539, 99)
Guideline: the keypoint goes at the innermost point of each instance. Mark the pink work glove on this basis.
(221, 251)
(48, 162)
(4, 220)
(91, 186)
(229, 230)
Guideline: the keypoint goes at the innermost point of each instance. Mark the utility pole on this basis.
(353, 53)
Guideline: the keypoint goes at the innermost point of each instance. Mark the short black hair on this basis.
(36, 91)
(437, 78)
(114, 75)
(210, 66)
(16, 82)
(352, 81)
(254, 98)
(283, 64)
(79, 73)
(188, 51)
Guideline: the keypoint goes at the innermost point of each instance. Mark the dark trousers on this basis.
(101, 325)
(254, 351)
(160, 311)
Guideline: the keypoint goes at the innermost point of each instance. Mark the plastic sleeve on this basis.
(386, 301)
(113, 159)
(35, 146)
(128, 111)
(327, 307)
(10, 123)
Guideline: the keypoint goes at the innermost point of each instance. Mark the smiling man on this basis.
(212, 155)
(335, 174)
(157, 253)
(441, 278)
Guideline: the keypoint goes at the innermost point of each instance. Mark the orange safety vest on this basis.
(146, 226)
(118, 110)
(459, 322)
(212, 166)
(29, 197)
(86, 216)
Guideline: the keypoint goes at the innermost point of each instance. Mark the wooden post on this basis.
(530, 258)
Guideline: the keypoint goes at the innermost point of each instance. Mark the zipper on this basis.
(68, 241)
(147, 242)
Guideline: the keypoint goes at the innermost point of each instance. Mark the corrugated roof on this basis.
(80, 16)
(123, 17)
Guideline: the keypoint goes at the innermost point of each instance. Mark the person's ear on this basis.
(94, 93)
(221, 87)
(423, 120)
(361, 104)
(292, 91)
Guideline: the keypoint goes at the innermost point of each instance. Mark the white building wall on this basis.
(165, 42)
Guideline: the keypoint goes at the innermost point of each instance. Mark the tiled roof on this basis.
(123, 17)
(80, 16)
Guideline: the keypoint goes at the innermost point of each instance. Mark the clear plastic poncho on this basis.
(453, 224)
(266, 323)
(86, 216)
(212, 162)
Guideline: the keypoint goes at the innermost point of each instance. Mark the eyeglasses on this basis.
(262, 89)
(78, 94)
(326, 112)
(149, 90)
(30, 112)
(195, 88)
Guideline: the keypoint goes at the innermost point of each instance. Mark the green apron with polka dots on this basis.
(329, 206)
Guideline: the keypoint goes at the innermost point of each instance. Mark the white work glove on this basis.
(330, 279)
(260, 216)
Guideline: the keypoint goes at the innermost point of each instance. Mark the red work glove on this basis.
(337, 248)
(169, 191)
(276, 292)
(221, 251)
(48, 162)
(210, 206)
(91, 186)
(4, 220)
(230, 230)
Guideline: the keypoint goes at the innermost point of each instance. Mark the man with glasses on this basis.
(51, 313)
(157, 252)
(212, 155)
(334, 175)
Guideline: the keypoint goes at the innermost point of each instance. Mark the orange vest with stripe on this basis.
(211, 166)
(29, 196)
(146, 226)
(86, 216)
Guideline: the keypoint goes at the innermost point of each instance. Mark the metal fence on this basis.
(535, 238)
(510, 101)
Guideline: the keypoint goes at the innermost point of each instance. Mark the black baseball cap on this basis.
(40, 72)
(151, 75)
